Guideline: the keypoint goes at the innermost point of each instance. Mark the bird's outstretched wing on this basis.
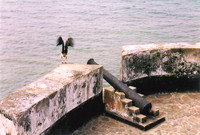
(60, 41)
(70, 42)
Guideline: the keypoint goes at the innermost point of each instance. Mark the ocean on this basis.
(29, 29)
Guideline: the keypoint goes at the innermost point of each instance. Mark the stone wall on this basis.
(34, 108)
(177, 60)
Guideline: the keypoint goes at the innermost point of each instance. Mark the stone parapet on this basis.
(177, 60)
(34, 108)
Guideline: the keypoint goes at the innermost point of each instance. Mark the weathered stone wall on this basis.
(32, 109)
(173, 59)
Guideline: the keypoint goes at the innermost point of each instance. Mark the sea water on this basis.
(29, 29)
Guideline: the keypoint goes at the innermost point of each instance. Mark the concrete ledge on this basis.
(145, 62)
(37, 106)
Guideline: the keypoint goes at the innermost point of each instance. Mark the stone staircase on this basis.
(121, 107)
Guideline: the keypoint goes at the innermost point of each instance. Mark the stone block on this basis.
(155, 112)
(119, 95)
(108, 98)
(126, 102)
(161, 66)
(108, 94)
(133, 88)
(141, 118)
(34, 108)
(117, 101)
(133, 110)
(141, 95)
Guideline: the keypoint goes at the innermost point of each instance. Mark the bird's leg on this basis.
(62, 58)
(65, 60)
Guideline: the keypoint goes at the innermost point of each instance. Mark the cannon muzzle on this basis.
(145, 106)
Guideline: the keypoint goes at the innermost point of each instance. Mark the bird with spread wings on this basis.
(64, 52)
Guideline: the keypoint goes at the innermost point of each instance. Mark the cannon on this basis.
(141, 103)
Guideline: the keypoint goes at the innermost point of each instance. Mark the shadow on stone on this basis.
(160, 84)
(77, 117)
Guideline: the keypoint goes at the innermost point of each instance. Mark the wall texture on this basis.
(177, 60)
(32, 109)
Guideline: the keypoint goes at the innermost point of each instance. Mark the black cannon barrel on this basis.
(145, 106)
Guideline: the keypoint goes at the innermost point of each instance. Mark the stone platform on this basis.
(181, 110)
(34, 108)
(169, 76)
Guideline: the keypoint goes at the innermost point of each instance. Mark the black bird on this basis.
(69, 42)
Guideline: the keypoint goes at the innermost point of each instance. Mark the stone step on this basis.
(141, 118)
(133, 110)
(134, 88)
(126, 102)
(155, 112)
(118, 105)
(120, 95)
